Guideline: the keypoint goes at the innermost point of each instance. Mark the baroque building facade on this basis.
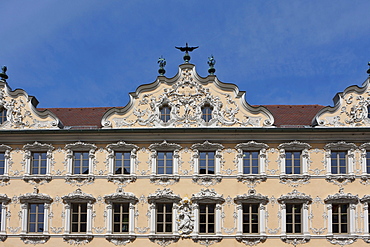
(186, 162)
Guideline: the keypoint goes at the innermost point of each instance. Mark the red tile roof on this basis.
(90, 117)
(293, 115)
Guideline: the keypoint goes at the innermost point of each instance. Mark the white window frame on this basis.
(366, 201)
(37, 147)
(295, 197)
(165, 147)
(122, 146)
(4, 200)
(364, 148)
(340, 146)
(80, 147)
(251, 198)
(78, 197)
(120, 197)
(210, 197)
(203, 179)
(342, 198)
(252, 146)
(30, 198)
(6, 150)
(294, 146)
(163, 196)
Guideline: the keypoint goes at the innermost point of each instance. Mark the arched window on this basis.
(2, 115)
(165, 113)
(207, 112)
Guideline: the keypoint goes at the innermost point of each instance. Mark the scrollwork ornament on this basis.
(345, 240)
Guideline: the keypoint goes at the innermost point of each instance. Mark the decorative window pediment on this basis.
(165, 195)
(251, 197)
(122, 162)
(38, 159)
(35, 197)
(78, 196)
(80, 160)
(21, 113)
(351, 109)
(165, 163)
(341, 197)
(295, 197)
(339, 162)
(181, 101)
(208, 195)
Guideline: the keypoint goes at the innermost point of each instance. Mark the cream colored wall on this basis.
(317, 188)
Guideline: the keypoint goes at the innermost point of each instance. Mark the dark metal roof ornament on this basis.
(162, 63)
(368, 71)
(211, 62)
(187, 49)
(3, 74)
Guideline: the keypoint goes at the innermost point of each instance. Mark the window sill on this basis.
(206, 240)
(207, 179)
(340, 179)
(341, 239)
(295, 179)
(37, 178)
(35, 238)
(251, 239)
(120, 239)
(79, 179)
(295, 239)
(122, 178)
(164, 239)
(77, 239)
(251, 178)
(164, 179)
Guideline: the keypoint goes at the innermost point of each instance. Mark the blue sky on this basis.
(90, 53)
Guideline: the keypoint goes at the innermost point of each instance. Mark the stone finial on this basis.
(211, 62)
(162, 64)
(3, 74)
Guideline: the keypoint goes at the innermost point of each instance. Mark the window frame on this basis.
(295, 197)
(79, 147)
(120, 197)
(203, 179)
(4, 201)
(207, 196)
(252, 146)
(77, 197)
(164, 147)
(342, 198)
(6, 150)
(165, 117)
(3, 115)
(365, 200)
(342, 147)
(294, 146)
(208, 115)
(29, 150)
(34, 198)
(163, 196)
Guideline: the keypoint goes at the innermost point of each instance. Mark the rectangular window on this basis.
(340, 218)
(81, 163)
(207, 113)
(292, 162)
(38, 163)
(35, 217)
(207, 218)
(79, 217)
(250, 218)
(122, 163)
(338, 162)
(368, 162)
(164, 217)
(2, 163)
(293, 218)
(120, 217)
(165, 113)
(2, 116)
(207, 163)
(164, 163)
(250, 162)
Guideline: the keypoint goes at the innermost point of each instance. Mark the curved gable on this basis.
(185, 94)
(351, 109)
(21, 113)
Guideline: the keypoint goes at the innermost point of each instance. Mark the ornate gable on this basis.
(185, 95)
(351, 109)
(21, 113)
